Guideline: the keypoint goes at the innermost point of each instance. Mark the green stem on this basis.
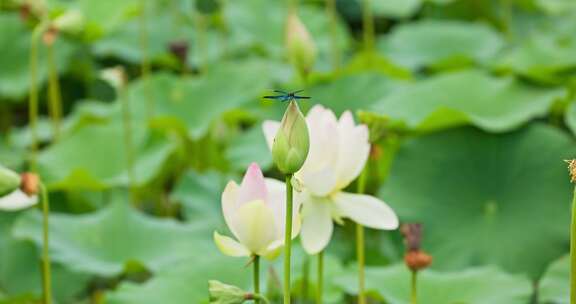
(361, 263)
(261, 298)
(333, 16)
(145, 66)
(320, 275)
(256, 277)
(288, 239)
(368, 25)
(33, 96)
(54, 94)
(305, 278)
(414, 292)
(126, 119)
(361, 188)
(573, 252)
(46, 274)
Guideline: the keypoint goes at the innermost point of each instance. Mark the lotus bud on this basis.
(71, 22)
(291, 144)
(9, 181)
(300, 47)
(221, 293)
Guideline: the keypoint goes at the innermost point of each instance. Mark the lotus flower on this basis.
(13, 188)
(338, 152)
(255, 213)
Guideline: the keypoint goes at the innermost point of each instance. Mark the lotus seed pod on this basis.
(291, 144)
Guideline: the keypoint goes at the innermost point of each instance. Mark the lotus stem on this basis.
(288, 239)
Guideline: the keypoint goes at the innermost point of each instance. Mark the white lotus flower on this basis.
(255, 213)
(17, 200)
(338, 152)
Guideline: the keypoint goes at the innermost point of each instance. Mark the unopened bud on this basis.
(417, 260)
(221, 293)
(30, 183)
(71, 22)
(9, 181)
(300, 46)
(291, 144)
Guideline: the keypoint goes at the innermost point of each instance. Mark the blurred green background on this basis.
(470, 105)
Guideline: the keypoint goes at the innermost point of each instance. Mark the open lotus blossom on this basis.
(255, 213)
(338, 152)
(17, 200)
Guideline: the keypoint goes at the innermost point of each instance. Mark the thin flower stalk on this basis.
(46, 271)
(288, 238)
(360, 247)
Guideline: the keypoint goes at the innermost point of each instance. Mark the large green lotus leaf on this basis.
(494, 104)
(20, 268)
(15, 49)
(247, 148)
(163, 29)
(554, 288)
(556, 7)
(94, 157)
(352, 92)
(430, 43)
(268, 33)
(486, 198)
(199, 194)
(544, 57)
(105, 242)
(103, 16)
(186, 282)
(486, 285)
(570, 117)
(193, 103)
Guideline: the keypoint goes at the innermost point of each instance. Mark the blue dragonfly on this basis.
(286, 96)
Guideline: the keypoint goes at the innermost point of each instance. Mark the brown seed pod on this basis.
(412, 233)
(572, 169)
(417, 260)
(30, 183)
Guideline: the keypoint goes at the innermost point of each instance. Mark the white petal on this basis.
(230, 205)
(230, 247)
(253, 186)
(17, 200)
(270, 129)
(366, 210)
(321, 182)
(353, 150)
(277, 201)
(317, 225)
(318, 172)
(255, 226)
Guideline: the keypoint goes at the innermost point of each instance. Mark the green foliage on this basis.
(471, 109)
(484, 199)
(474, 286)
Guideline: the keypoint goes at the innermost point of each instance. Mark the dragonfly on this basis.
(286, 96)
